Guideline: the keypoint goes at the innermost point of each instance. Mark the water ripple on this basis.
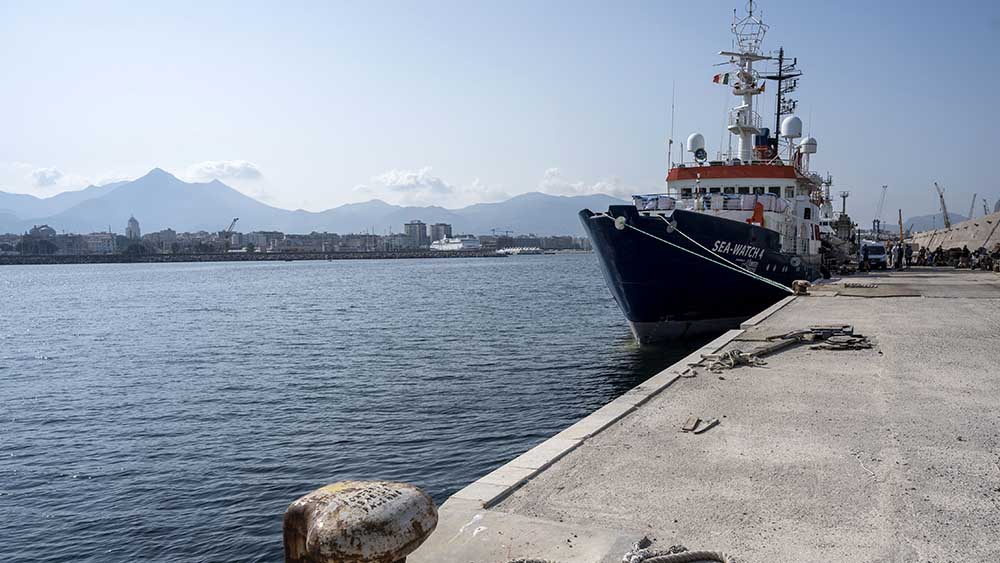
(170, 412)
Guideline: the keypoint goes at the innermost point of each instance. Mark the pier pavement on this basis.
(885, 454)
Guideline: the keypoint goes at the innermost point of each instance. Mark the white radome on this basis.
(791, 127)
(808, 145)
(695, 141)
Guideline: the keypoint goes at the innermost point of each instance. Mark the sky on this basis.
(316, 104)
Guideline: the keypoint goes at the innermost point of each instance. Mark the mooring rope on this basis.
(724, 259)
(724, 263)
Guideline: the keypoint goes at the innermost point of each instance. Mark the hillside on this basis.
(160, 200)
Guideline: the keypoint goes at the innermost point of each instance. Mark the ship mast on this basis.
(744, 122)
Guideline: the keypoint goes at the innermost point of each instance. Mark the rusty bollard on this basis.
(801, 287)
(358, 522)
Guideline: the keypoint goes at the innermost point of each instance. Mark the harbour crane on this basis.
(944, 208)
(226, 234)
(986, 207)
(877, 223)
(972, 207)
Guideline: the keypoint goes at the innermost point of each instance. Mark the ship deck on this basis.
(891, 453)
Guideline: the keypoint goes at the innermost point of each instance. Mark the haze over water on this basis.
(171, 412)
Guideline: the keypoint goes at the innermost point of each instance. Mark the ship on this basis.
(461, 242)
(730, 235)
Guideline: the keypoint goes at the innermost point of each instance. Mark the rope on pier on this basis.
(686, 557)
(641, 554)
(721, 262)
(657, 557)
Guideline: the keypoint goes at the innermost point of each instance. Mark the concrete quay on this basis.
(883, 454)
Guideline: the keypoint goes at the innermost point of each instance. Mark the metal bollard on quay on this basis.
(358, 522)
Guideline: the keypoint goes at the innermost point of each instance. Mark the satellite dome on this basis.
(808, 145)
(791, 127)
(695, 141)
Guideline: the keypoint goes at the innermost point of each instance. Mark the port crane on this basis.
(877, 223)
(986, 207)
(226, 234)
(944, 208)
(972, 207)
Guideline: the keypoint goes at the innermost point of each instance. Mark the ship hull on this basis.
(671, 288)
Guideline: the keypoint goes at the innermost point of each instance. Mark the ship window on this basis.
(789, 193)
(774, 190)
(743, 190)
(758, 190)
(685, 193)
(701, 190)
(807, 213)
(729, 190)
(714, 190)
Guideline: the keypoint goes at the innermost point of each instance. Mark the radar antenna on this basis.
(787, 77)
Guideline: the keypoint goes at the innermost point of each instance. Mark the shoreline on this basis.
(35, 260)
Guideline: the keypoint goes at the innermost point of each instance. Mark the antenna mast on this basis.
(743, 121)
(843, 202)
(670, 142)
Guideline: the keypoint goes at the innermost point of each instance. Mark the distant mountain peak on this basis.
(157, 173)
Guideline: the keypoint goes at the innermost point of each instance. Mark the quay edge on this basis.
(872, 454)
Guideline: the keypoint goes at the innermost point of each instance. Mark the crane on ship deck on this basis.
(944, 208)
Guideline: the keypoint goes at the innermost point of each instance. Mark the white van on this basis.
(876, 254)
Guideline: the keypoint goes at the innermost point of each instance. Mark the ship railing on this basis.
(727, 159)
(740, 117)
(717, 201)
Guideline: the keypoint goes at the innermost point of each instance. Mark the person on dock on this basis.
(965, 258)
(908, 252)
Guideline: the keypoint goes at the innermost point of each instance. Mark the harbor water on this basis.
(170, 412)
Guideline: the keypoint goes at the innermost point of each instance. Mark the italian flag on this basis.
(721, 78)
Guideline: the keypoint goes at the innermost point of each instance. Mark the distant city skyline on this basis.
(316, 105)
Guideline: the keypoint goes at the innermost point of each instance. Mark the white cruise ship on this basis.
(461, 242)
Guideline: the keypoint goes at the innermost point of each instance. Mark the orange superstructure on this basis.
(762, 171)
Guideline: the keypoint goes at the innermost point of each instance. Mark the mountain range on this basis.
(160, 200)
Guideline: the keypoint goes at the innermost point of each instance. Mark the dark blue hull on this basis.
(670, 291)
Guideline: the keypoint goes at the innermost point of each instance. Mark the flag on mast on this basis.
(721, 78)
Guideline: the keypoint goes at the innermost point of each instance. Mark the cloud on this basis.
(423, 187)
(415, 183)
(224, 170)
(555, 183)
(46, 177)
